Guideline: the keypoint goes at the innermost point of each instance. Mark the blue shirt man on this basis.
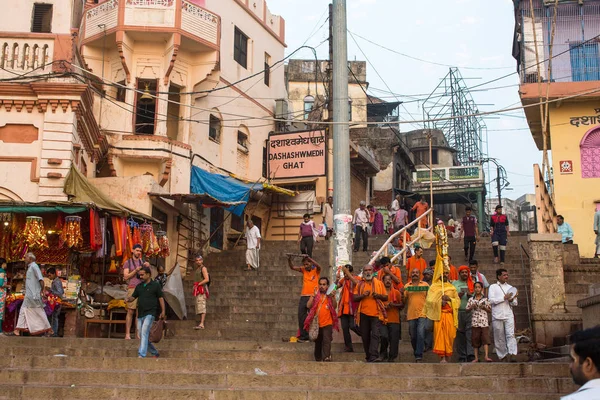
(564, 229)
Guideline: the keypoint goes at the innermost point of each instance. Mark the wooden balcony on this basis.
(151, 16)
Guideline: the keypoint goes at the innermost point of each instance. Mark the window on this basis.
(42, 18)
(121, 91)
(242, 140)
(590, 154)
(240, 48)
(585, 64)
(267, 69)
(434, 157)
(309, 103)
(265, 161)
(307, 67)
(422, 157)
(214, 128)
(145, 106)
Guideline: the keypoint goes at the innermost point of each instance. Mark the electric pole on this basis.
(341, 140)
(330, 134)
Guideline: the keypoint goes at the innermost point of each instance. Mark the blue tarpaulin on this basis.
(223, 188)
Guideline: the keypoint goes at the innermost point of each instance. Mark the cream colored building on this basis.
(184, 86)
(188, 55)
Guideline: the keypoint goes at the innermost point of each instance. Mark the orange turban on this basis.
(470, 282)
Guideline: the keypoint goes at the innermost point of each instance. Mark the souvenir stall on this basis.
(85, 245)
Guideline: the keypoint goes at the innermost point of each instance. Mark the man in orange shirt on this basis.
(421, 207)
(416, 261)
(390, 331)
(394, 272)
(415, 293)
(347, 307)
(453, 271)
(310, 271)
(323, 306)
(370, 294)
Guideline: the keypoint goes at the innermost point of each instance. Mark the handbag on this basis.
(156, 331)
(313, 329)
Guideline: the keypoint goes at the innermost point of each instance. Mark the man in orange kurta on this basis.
(370, 294)
(311, 271)
(421, 207)
(388, 269)
(416, 261)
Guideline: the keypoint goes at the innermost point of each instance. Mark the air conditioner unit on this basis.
(281, 109)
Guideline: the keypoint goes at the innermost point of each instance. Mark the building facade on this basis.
(153, 88)
(571, 84)
(45, 124)
(454, 186)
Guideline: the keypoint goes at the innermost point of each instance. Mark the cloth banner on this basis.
(173, 292)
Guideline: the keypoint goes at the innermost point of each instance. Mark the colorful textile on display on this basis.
(35, 233)
(200, 289)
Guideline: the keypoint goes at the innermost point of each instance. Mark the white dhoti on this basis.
(33, 320)
(504, 337)
(597, 244)
(252, 258)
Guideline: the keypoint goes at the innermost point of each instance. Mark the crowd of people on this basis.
(444, 315)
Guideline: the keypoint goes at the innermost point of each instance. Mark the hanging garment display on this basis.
(163, 243)
(71, 234)
(35, 234)
(95, 230)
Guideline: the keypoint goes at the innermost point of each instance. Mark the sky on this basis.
(474, 35)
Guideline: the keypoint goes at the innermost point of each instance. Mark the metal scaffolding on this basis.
(451, 109)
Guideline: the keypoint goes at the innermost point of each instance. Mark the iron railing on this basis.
(575, 48)
(384, 249)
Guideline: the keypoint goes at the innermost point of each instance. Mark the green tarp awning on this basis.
(80, 190)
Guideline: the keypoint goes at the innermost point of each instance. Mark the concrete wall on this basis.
(573, 197)
(19, 18)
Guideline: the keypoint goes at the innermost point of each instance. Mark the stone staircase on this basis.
(47, 368)
(249, 313)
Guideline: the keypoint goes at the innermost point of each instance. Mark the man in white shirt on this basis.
(503, 297)
(361, 221)
(396, 204)
(328, 216)
(585, 364)
(253, 239)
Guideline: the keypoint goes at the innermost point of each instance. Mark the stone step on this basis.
(160, 393)
(35, 369)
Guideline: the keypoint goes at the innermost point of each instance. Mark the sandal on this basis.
(327, 359)
(489, 360)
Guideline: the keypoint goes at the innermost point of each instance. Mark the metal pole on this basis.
(431, 220)
(498, 185)
(341, 140)
(329, 191)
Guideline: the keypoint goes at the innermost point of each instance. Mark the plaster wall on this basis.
(573, 197)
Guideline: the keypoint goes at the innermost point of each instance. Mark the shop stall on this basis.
(85, 240)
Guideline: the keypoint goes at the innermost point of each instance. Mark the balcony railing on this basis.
(575, 48)
(161, 14)
(22, 55)
(452, 174)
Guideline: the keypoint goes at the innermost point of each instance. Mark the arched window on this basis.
(4, 56)
(309, 103)
(25, 63)
(15, 56)
(590, 154)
